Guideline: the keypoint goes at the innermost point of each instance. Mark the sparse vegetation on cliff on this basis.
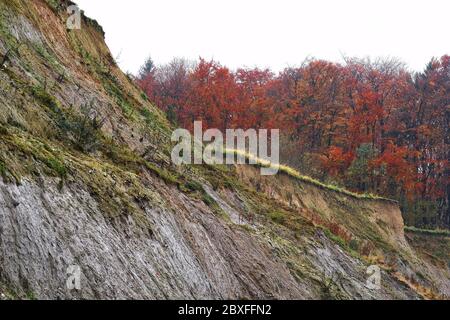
(86, 177)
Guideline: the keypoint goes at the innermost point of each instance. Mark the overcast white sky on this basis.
(275, 34)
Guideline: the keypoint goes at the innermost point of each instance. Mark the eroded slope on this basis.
(87, 180)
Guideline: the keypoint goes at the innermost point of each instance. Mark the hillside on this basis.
(87, 180)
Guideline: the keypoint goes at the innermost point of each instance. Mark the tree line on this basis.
(371, 126)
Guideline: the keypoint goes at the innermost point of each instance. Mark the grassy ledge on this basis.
(295, 174)
(436, 232)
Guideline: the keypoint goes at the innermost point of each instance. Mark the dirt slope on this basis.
(87, 181)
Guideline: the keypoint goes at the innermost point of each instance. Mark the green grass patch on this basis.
(208, 200)
(114, 88)
(41, 152)
(48, 57)
(53, 4)
(57, 166)
(341, 242)
(193, 186)
(348, 247)
(31, 295)
(44, 98)
(164, 174)
(278, 217)
(144, 96)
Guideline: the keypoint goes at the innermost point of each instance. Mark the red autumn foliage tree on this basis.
(371, 126)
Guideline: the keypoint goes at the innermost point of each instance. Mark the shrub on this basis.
(208, 200)
(83, 130)
(354, 245)
(278, 217)
(193, 186)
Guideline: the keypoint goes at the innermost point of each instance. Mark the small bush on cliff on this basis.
(193, 186)
(83, 130)
(278, 217)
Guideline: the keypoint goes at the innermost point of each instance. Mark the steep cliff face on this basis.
(86, 180)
